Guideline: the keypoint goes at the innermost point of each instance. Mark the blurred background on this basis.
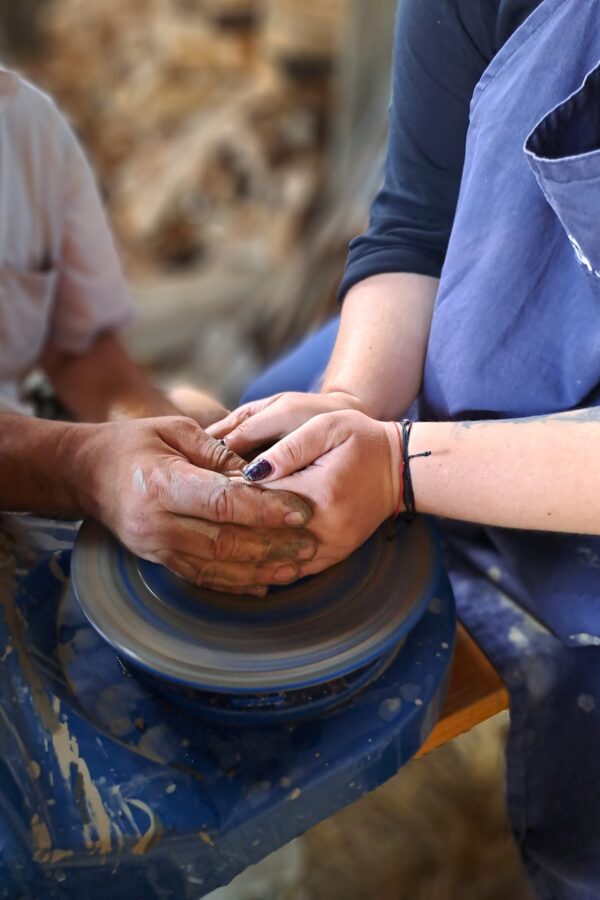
(237, 145)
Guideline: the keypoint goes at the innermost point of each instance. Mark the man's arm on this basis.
(161, 486)
(104, 383)
(35, 465)
(91, 372)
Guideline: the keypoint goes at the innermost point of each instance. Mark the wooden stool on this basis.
(475, 693)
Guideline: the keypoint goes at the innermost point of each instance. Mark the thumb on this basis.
(301, 448)
(198, 447)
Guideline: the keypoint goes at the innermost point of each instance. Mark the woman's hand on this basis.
(262, 422)
(348, 466)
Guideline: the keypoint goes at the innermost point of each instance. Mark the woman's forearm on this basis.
(540, 473)
(381, 345)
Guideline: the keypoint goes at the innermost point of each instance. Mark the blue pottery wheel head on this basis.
(309, 633)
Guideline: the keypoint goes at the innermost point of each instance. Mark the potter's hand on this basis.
(348, 466)
(261, 422)
(161, 486)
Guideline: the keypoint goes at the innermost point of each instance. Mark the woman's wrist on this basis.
(394, 438)
(350, 400)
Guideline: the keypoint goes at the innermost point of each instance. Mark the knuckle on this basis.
(252, 505)
(178, 429)
(245, 426)
(221, 501)
(207, 573)
(187, 427)
(337, 495)
(223, 545)
(229, 460)
(293, 452)
(136, 526)
(328, 497)
(244, 413)
(160, 479)
(218, 458)
(183, 568)
(329, 425)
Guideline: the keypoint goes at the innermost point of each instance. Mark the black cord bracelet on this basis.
(408, 494)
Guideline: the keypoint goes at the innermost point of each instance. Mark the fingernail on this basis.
(185, 571)
(258, 470)
(285, 573)
(295, 518)
(307, 551)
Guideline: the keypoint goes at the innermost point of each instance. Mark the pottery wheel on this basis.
(305, 634)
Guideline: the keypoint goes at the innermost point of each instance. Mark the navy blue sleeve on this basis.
(441, 50)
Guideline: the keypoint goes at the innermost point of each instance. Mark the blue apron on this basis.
(516, 332)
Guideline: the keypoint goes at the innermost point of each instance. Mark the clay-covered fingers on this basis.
(236, 543)
(230, 576)
(190, 440)
(188, 491)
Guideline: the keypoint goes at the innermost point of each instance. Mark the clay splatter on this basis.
(586, 703)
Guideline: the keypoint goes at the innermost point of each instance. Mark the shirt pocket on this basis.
(564, 152)
(26, 299)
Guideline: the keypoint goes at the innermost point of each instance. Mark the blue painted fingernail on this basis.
(257, 470)
(222, 442)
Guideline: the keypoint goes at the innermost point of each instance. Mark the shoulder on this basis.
(33, 123)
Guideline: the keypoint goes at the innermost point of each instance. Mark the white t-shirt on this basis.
(60, 276)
